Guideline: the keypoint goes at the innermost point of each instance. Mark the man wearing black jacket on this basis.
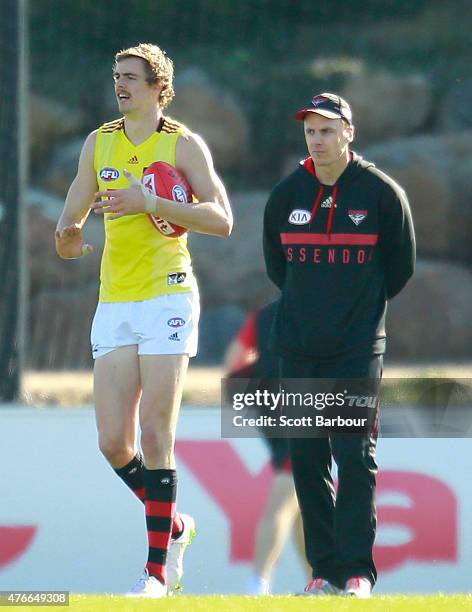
(339, 243)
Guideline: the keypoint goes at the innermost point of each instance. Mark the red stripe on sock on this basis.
(162, 509)
(159, 539)
(140, 493)
(157, 570)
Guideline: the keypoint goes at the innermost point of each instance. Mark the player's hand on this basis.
(70, 244)
(121, 202)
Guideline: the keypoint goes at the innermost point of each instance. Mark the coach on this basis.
(339, 243)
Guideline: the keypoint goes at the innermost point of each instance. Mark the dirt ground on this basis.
(73, 389)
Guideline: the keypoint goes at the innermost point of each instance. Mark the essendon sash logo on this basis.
(150, 183)
(357, 216)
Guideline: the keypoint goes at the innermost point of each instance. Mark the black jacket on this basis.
(337, 253)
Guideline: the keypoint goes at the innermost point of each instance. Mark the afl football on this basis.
(163, 180)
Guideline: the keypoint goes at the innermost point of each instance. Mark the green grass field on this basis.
(230, 603)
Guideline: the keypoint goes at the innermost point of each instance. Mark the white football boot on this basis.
(175, 555)
(258, 585)
(148, 586)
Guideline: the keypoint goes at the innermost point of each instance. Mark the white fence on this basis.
(68, 523)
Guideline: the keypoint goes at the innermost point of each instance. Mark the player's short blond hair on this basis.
(159, 68)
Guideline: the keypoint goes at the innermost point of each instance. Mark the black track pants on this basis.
(339, 528)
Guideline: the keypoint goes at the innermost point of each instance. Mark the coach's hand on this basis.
(70, 244)
(120, 202)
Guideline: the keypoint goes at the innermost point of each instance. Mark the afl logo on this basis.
(109, 174)
(176, 322)
(179, 194)
(299, 217)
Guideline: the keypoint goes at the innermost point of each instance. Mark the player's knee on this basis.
(156, 441)
(115, 449)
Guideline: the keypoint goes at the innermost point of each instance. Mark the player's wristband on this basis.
(151, 201)
(149, 198)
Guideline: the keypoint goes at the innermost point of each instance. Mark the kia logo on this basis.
(299, 216)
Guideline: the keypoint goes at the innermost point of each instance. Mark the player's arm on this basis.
(274, 255)
(210, 215)
(69, 241)
(397, 240)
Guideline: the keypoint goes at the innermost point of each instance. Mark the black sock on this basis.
(132, 474)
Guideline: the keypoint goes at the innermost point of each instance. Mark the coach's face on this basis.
(327, 139)
(132, 90)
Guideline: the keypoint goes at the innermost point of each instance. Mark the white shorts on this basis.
(164, 325)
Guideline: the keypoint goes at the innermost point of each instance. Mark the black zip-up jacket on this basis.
(337, 253)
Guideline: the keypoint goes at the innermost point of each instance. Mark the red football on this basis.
(162, 179)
